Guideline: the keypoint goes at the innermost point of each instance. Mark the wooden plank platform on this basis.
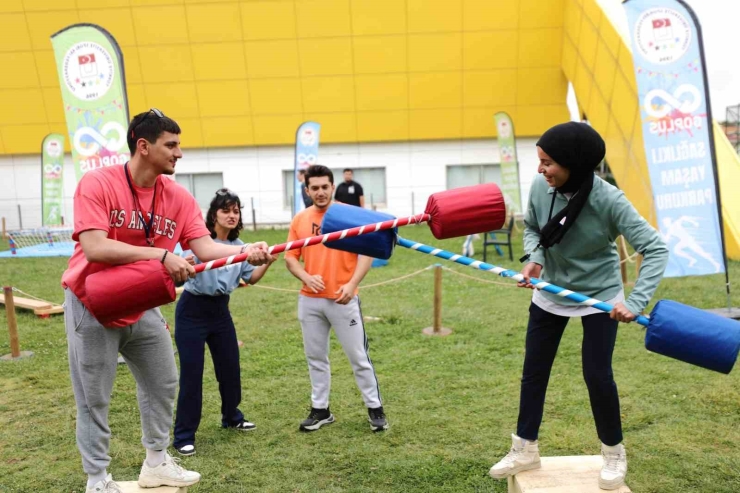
(40, 308)
(133, 487)
(571, 474)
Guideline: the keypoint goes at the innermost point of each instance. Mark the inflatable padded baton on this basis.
(693, 335)
(466, 210)
(377, 245)
(125, 290)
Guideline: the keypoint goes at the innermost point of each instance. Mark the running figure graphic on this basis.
(676, 229)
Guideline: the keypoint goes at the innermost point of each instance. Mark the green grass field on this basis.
(452, 402)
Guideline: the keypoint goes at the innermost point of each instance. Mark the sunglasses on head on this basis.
(225, 192)
(154, 111)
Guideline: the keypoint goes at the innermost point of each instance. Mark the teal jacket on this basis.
(587, 260)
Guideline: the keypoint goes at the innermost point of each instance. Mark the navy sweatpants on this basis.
(543, 338)
(201, 320)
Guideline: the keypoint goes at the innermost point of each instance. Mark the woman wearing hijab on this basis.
(572, 221)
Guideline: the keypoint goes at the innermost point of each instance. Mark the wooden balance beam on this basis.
(572, 474)
(41, 309)
(133, 487)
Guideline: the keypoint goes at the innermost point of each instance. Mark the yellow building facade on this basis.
(248, 73)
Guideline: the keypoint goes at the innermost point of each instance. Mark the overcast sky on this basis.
(720, 23)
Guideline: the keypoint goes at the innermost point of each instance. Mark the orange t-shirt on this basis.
(334, 266)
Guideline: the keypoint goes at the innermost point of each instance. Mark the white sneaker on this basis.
(524, 455)
(106, 485)
(615, 467)
(168, 473)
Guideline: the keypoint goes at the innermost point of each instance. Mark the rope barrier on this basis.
(34, 297)
(271, 288)
(377, 284)
(397, 278)
(389, 281)
(507, 284)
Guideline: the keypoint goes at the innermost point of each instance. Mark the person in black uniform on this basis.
(349, 191)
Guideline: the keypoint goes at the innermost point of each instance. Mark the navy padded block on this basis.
(693, 335)
(377, 245)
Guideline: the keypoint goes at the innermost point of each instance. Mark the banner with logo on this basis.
(306, 154)
(90, 67)
(677, 129)
(510, 186)
(52, 189)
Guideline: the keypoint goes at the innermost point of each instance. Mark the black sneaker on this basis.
(377, 419)
(242, 425)
(316, 419)
(186, 450)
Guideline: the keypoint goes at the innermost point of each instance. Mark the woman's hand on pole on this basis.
(529, 271)
(257, 253)
(622, 314)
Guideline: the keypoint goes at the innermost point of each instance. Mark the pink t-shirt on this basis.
(103, 200)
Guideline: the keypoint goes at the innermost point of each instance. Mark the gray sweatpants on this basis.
(93, 357)
(317, 316)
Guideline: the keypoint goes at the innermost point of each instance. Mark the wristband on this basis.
(164, 256)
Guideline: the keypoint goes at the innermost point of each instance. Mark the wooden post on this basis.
(437, 320)
(20, 217)
(4, 233)
(15, 348)
(622, 247)
(436, 329)
(254, 216)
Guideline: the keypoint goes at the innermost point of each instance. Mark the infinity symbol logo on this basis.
(686, 99)
(507, 153)
(52, 168)
(101, 139)
(306, 159)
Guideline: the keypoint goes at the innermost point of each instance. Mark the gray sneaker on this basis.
(316, 419)
(377, 419)
(106, 485)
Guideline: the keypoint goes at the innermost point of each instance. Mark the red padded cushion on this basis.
(466, 210)
(127, 291)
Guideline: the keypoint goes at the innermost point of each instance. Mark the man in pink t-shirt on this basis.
(124, 214)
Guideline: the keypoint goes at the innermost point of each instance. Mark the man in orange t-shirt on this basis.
(329, 299)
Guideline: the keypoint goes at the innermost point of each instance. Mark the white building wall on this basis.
(417, 168)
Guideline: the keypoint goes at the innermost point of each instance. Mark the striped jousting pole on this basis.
(315, 240)
(538, 283)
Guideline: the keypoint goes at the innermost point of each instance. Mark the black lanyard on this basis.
(552, 205)
(549, 216)
(150, 226)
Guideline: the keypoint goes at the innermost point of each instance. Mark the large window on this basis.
(371, 179)
(472, 174)
(202, 186)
